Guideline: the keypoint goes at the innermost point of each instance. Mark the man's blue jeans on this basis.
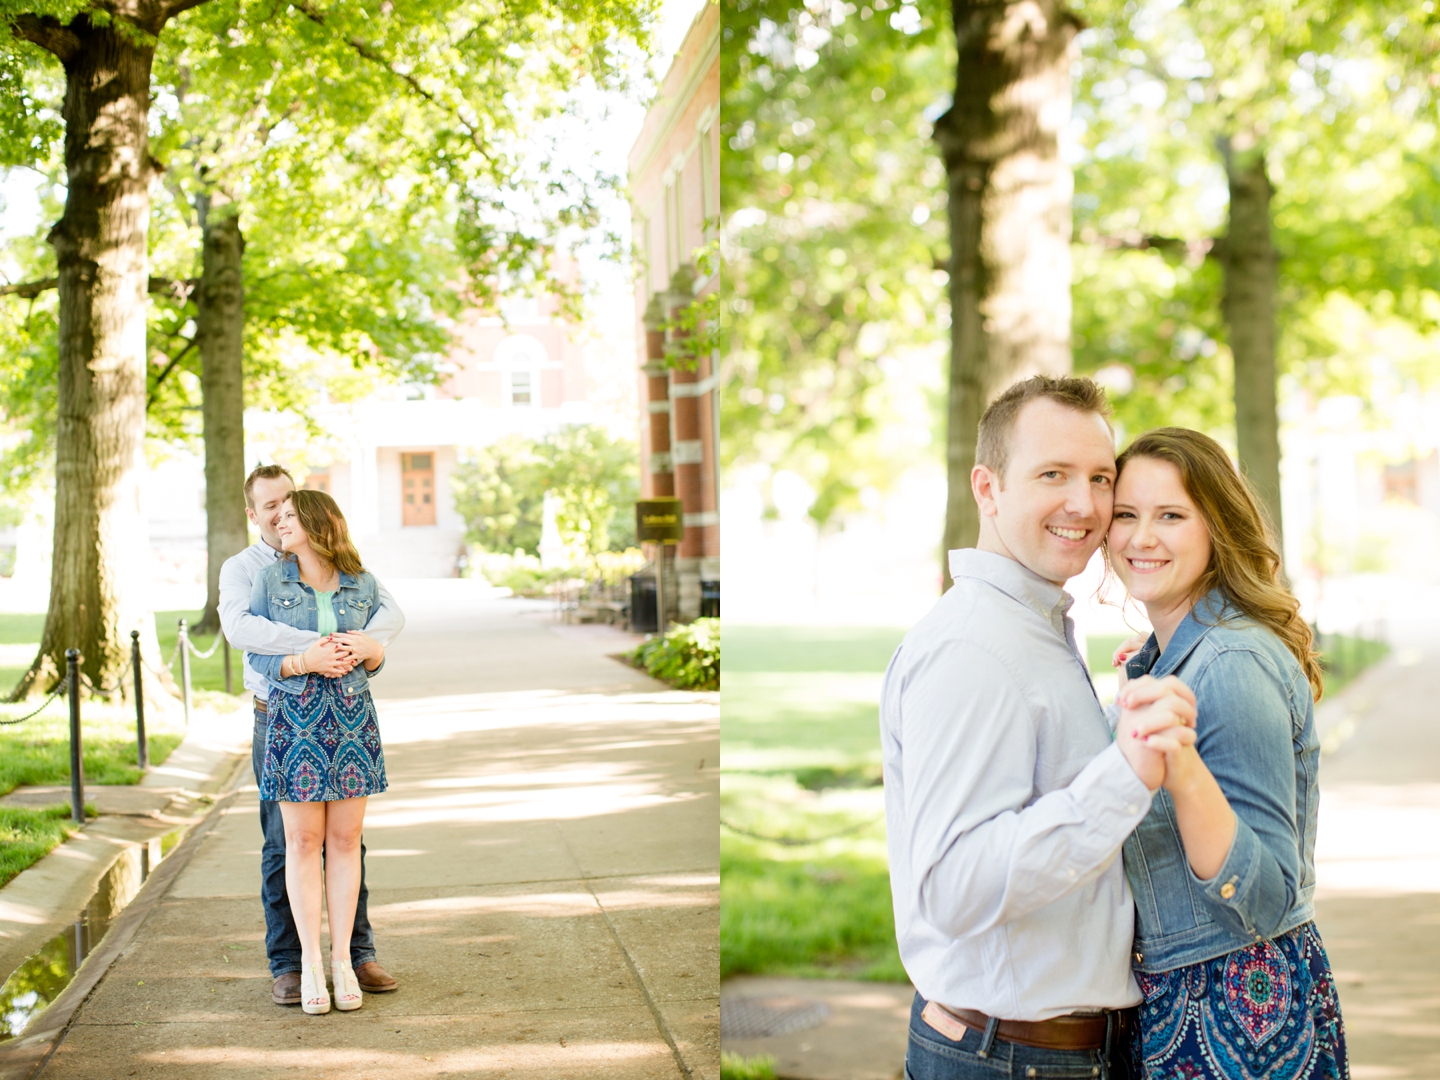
(282, 941)
(931, 1056)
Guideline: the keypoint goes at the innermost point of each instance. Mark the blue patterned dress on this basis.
(1265, 1012)
(322, 744)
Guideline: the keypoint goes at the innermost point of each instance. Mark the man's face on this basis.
(1052, 509)
(269, 495)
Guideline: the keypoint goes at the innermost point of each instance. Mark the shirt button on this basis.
(1070, 871)
(1131, 808)
(1227, 890)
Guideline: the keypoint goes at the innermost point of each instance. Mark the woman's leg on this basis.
(344, 819)
(304, 836)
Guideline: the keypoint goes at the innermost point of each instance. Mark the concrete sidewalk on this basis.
(1377, 858)
(543, 877)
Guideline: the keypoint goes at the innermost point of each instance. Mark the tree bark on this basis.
(1010, 220)
(220, 327)
(100, 563)
(1250, 261)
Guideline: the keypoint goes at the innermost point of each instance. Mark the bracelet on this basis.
(297, 663)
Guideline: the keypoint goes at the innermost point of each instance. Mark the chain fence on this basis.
(59, 691)
(804, 841)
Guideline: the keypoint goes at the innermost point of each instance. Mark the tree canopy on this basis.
(827, 113)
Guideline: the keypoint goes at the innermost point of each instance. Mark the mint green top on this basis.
(325, 613)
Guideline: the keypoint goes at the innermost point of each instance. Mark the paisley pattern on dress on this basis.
(322, 745)
(1265, 1012)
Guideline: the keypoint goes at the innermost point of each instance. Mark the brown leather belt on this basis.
(1059, 1033)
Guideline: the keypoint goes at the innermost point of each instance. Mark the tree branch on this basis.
(47, 32)
(175, 7)
(150, 398)
(368, 53)
(178, 288)
(29, 289)
(1195, 251)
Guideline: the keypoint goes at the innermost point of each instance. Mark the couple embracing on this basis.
(1122, 892)
(314, 625)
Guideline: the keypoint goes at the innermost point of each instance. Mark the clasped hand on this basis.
(337, 654)
(1156, 732)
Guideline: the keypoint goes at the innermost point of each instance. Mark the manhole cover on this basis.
(759, 1018)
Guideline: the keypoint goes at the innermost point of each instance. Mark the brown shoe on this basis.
(373, 978)
(286, 990)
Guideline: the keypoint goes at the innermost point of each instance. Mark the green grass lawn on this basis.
(800, 756)
(38, 750)
(26, 836)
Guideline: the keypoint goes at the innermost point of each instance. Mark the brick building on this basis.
(675, 201)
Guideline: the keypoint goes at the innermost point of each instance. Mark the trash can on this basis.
(709, 599)
(643, 611)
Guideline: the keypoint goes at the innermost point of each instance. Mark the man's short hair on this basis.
(264, 472)
(992, 449)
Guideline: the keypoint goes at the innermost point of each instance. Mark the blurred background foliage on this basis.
(835, 234)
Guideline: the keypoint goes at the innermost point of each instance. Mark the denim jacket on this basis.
(280, 596)
(1256, 734)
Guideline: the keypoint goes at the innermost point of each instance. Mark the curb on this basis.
(25, 1057)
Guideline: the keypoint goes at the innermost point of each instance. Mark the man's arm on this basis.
(252, 633)
(387, 620)
(982, 853)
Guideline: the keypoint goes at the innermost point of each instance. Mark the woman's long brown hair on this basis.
(1244, 559)
(325, 525)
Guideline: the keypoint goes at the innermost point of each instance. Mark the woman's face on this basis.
(1158, 541)
(292, 533)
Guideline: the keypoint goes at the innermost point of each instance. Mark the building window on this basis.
(521, 357)
(520, 388)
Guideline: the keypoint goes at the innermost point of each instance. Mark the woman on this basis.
(1236, 981)
(322, 743)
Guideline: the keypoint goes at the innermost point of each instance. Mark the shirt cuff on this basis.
(1113, 797)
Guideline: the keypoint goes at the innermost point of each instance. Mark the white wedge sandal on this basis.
(314, 998)
(347, 988)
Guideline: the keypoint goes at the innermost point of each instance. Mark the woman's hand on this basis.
(1157, 716)
(329, 658)
(362, 647)
(1128, 648)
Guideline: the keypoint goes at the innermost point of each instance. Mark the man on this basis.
(1006, 800)
(265, 491)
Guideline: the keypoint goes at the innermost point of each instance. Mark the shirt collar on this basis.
(1213, 608)
(291, 572)
(1045, 598)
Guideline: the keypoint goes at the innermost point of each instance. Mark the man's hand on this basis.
(330, 658)
(1156, 716)
(362, 647)
(1128, 648)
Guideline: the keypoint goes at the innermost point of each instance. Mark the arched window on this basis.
(520, 358)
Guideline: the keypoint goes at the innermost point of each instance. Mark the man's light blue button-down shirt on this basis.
(1006, 804)
(253, 634)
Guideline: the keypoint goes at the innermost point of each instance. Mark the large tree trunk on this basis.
(220, 326)
(1249, 260)
(1010, 219)
(100, 565)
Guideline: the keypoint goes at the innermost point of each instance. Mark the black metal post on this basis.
(142, 745)
(185, 667)
(77, 767)
(660, 605)
(226, 647)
